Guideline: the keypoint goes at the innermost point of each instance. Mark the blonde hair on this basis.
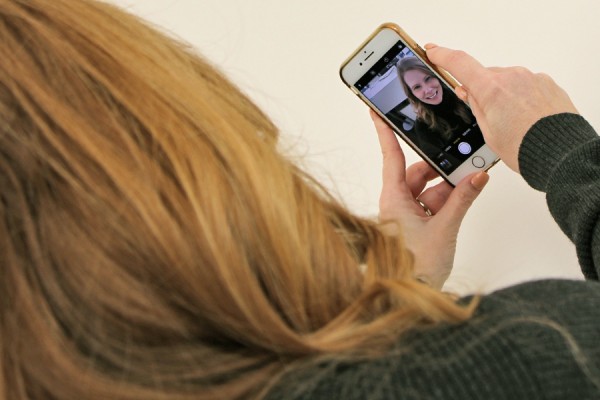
(154, 242)
(434, 122)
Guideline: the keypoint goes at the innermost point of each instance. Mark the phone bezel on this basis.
(376, 45)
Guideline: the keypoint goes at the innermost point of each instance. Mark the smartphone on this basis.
(390, 72)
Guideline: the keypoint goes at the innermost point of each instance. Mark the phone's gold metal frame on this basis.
(411, 44)
(415, 48)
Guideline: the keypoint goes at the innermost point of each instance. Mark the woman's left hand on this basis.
(431, 238)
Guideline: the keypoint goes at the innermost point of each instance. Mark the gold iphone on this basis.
(392, 75)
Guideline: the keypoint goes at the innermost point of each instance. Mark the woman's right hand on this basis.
(505, 101)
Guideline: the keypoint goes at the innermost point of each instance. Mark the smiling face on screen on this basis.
(425, 87)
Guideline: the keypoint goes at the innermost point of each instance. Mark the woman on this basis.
(155, 245)
(441, 116)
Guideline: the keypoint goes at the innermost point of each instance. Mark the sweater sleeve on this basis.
(560, 155)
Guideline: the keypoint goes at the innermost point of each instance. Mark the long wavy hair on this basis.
(154, 243)
(424, 111)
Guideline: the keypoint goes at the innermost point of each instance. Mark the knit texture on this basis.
(537, 340)
(561, 156)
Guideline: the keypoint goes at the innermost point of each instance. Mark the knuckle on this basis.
(466, 196)
(383, 205)
(439, 197)
(418, 170)
(389, 154)
(457, 56)
(521, 71)
(495, 84)
(544, 77)
(386, 210)
(499, 81)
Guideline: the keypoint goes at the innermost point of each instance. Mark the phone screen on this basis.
(423, 107)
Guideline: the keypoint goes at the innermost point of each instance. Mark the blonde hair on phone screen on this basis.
(423, 111)
(154, 242)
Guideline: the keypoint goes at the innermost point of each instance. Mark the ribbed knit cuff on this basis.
(548, 142)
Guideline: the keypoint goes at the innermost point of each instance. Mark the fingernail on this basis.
(430, 46)
(480, 180)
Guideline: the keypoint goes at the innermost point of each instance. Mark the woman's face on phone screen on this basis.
(425, 87)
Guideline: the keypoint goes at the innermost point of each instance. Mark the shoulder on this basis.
(552, 297)
(524, 341)
(537, 291)
(562, 309)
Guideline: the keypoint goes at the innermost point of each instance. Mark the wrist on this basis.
(548, 142)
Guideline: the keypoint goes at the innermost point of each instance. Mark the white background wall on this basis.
(286, 54)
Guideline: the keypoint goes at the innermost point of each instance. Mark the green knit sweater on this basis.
(537, 340)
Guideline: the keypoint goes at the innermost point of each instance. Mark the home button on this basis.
(478, 162)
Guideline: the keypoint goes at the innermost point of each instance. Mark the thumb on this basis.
(461, 198)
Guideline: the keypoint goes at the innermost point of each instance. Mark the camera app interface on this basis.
(424, 108)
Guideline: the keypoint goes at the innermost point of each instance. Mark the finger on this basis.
(394, 163)
(466, 69)
(436, 196)
(461, 198)
(462, 94)
(417, 176)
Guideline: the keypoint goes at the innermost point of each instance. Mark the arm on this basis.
(534, 127)
(560, 155)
